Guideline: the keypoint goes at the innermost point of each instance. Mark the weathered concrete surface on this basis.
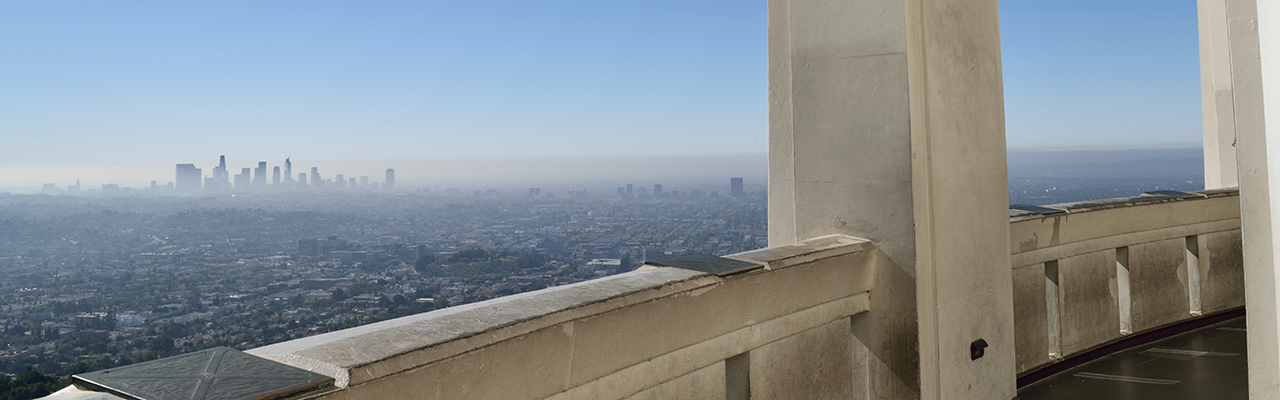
(887, 122)
(1083, 242)
(706, 383)
(1158, 283)
(1029, 317)
(1216, 93)
(723, 308)
(1090, 315)
(1250, 23)
(672, 365)
(1038, 239)
(802, 366)
(806, 251)
(531, 366)
(1221, 271)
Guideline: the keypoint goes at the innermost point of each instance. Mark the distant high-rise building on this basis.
(187, 178)
(275, 175)
(629, 190)
(657, 190)
(390, 184)
(735, 188)
(352, 183)
(260, 174)
(219, 180)
(302, 179)
(315, 177)
(242, 180)
(340, 181)
(288, 171)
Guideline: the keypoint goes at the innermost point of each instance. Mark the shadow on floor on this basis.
(1207, 363)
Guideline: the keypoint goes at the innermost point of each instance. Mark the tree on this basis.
(162, 344)
(339, 295)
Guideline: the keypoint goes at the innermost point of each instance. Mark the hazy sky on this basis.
(131, 84)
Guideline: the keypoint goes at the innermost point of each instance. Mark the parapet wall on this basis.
(1091, 273)
(825, 318)
(655, 333)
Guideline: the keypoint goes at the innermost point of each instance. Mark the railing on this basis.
(1091, 273)
(1084, 275)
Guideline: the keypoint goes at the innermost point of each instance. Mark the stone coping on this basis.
(377, 350)
(1021, 212)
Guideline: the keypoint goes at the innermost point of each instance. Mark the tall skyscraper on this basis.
(735, 188)
(353, 183)
(302, 179)
(339, 181)
(187, 178)
(260, 174)
(629, 193)
(315, 176)
(657, 190)
(220, 180)
(390, 184)
(288, 171)
(275, 175)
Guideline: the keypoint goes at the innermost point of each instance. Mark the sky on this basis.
(122, 90)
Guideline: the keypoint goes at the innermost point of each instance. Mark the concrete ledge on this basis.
(806, 251)
(1113, 223)
(372, 351)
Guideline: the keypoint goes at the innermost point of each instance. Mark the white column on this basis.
(1259, 157)
(887, 122)
(1216, 90)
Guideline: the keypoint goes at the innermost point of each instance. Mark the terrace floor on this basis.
(1207, 363)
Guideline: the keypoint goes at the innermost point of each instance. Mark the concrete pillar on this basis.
(1218, 51)
(887, 122)
(1259, 158)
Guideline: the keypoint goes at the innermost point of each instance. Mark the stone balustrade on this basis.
(1091, 273)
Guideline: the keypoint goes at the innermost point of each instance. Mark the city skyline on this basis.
(514, 173)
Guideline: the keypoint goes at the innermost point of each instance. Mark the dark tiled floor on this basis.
(1207, 363)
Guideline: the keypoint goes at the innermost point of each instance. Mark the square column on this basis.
(1254, 28)
(1228, 59)
(887, 123)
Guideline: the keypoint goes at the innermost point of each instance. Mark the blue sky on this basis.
(156, 83)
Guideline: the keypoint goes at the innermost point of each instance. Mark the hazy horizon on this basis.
(532, 172)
